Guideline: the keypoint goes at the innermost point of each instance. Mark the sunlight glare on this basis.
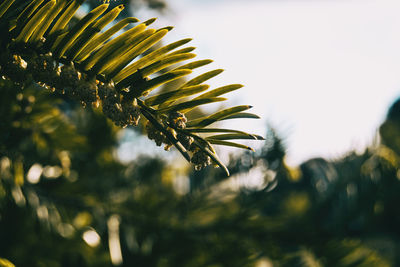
(91, 238)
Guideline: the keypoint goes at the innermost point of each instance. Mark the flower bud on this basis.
(106, 90)
(69, 76)
(14, 67)
(200, 160)
(177, 120)
(87, 91)
(42, 68)
(185, 140)
(154, 134)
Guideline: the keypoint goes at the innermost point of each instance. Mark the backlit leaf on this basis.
(192, 104)
(227, 143)
(103, 37)
(176, 94)
(205, 121)
(146, 60)
(234, 136)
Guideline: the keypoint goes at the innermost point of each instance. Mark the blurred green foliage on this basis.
(64, 197)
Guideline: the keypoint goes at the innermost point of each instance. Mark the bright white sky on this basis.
(323, 73)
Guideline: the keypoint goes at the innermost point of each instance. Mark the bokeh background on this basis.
(322, 190)
(312, 68)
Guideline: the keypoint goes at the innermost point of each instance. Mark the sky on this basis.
(322, 72)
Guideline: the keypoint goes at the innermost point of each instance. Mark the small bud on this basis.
(154, 134)
(130, 114)
(14, 67)
(69, 76)
(42, 68)
(185, 140)
(200, 160)
(112, 108)
(177, 120)
(87, 91)
(106, 90)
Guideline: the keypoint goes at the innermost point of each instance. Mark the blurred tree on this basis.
(326, 213)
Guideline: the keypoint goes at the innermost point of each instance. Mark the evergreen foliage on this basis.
(66, 200)
(77, 59)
